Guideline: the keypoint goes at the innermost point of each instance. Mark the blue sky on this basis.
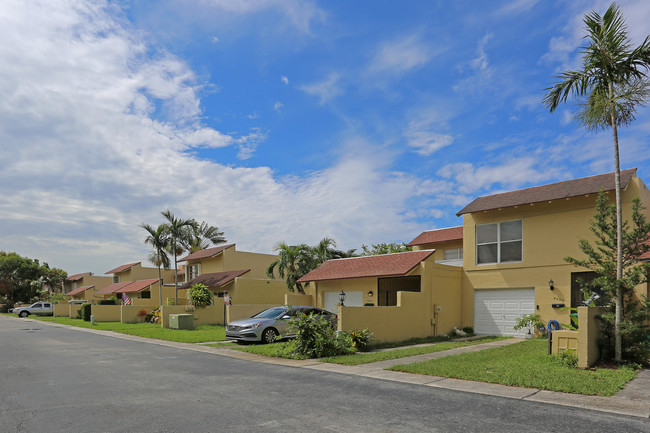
(365, 121)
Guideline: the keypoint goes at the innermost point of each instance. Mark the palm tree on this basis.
(179, 231)
(159, 241)
(294, 262)
(611, 84)
(204, 235)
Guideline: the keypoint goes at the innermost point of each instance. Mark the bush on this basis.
(568, 358)
(84, 312)
(529, 321)
(200, 296)
(316, 338)
(107, 302)
(4, 308)
(469, 331)
(361, 339)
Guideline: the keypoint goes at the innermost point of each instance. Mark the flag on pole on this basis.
(126, 300)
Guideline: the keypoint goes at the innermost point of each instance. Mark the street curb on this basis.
(637, 407)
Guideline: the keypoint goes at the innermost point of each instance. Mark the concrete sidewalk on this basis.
(633, 400)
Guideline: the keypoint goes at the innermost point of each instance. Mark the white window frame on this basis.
(499, 242)
(116, 279)
(458, 254)
(196, 266)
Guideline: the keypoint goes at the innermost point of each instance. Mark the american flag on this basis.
(126, 300)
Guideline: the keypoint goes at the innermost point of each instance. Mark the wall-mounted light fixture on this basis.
(342, 298)
(370, 294)
(551, 284)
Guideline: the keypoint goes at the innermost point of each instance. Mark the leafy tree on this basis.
(53, 278)
(610, 86)
(602, 259)
(294, 261)
(22, 278)
(180, 231)
(325, 250)
(200, 296)
(203, 235)
(158, 239)
(384, 248)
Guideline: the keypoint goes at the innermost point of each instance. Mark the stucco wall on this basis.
(243, 311)
(61, 310)
(106, 313)
(212, 315)
(256, 262)
(129, 313)
(245, 290)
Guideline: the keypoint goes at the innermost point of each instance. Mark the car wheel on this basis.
(23, 314)
(269, 335)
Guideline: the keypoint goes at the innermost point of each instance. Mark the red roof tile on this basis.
(122, 268)
(208, 252)
(553, 191)
(214, 279)
(78, 290)
(136, 286)
(384, 265)
(437, 236)
(77, 276)
(112, 288)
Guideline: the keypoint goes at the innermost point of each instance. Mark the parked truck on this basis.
(37, 308)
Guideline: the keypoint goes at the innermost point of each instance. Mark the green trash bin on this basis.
(181, 321)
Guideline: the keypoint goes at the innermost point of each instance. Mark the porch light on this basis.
(370, 294)
(342, 297)
(551, 284)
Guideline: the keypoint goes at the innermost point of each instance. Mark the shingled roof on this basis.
(112, 288)
(438, 236)
(385, 265)
(553, 191)
(137, 286)
(78, 290)
(214, 279)
(122, 268)
(76, 277)
(208, 252)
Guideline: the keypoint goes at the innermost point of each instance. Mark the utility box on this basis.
(181, 321)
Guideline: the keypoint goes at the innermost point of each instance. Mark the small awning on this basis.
(215, 279)
(137, 286)
(78, 290)
(112, 288)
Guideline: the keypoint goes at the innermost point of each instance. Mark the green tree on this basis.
(179, 231)
(158, 239)
(326, 250)
(204, 235)
(53, 278)
(22, 278)
(610, 86)
(601, 258)
(384, 248)
(294, 261)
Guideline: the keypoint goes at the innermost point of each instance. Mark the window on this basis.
(453, 254)
(499, 242)
(145, 294)
(116, 278)
(195, 270)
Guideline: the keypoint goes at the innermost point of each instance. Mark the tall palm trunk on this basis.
(618, 357)
(160, 287)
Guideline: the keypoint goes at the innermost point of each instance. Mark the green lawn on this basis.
(525, 364)
(202, 333)
(276, 350)
(365, 358)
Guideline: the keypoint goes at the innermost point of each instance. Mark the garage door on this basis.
(352, 299)
(495, 311)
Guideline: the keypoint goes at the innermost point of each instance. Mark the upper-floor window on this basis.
(194, 270)
(116, 278)
(453, 254)
(499, 242)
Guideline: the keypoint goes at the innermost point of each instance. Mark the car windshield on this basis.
(271, 313)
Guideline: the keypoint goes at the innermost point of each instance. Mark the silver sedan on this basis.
(271, 324)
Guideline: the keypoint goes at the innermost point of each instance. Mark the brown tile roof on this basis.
(136, 286)
(78, 290)
(76, 277)
(437, 236)
(112, 288)
(384, 265)
(553, 191)
(215, 279)
(122, 268)
(208, 252)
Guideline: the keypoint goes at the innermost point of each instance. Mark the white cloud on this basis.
(517, 7)
(248, 144)
(399, 56)
(278, 106)
(480, 69)
(326, 90)
(214, 39)
(284, 79)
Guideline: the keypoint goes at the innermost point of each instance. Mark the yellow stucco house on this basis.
(83, 286)
(239, 274)
(506, 260)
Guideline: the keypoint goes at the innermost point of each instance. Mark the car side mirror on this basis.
(286, 317)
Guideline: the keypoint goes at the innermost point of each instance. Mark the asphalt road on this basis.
(55, 379)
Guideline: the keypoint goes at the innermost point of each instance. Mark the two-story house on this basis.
(84, 285)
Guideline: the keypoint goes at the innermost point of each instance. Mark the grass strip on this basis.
(525, 364)
(366, 358)
(280, 349)
(202, 333)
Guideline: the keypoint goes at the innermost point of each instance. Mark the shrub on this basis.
(154, 317)
(316, 337)
(4, 308)
(108, 302)
(568, 358)
(469, 331)
(84, 312)
(528, 321)
(200, 296)
(361, 339)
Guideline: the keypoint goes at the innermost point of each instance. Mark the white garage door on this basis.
(495, 311)
(352, 299)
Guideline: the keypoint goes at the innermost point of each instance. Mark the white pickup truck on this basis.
(38, 308)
